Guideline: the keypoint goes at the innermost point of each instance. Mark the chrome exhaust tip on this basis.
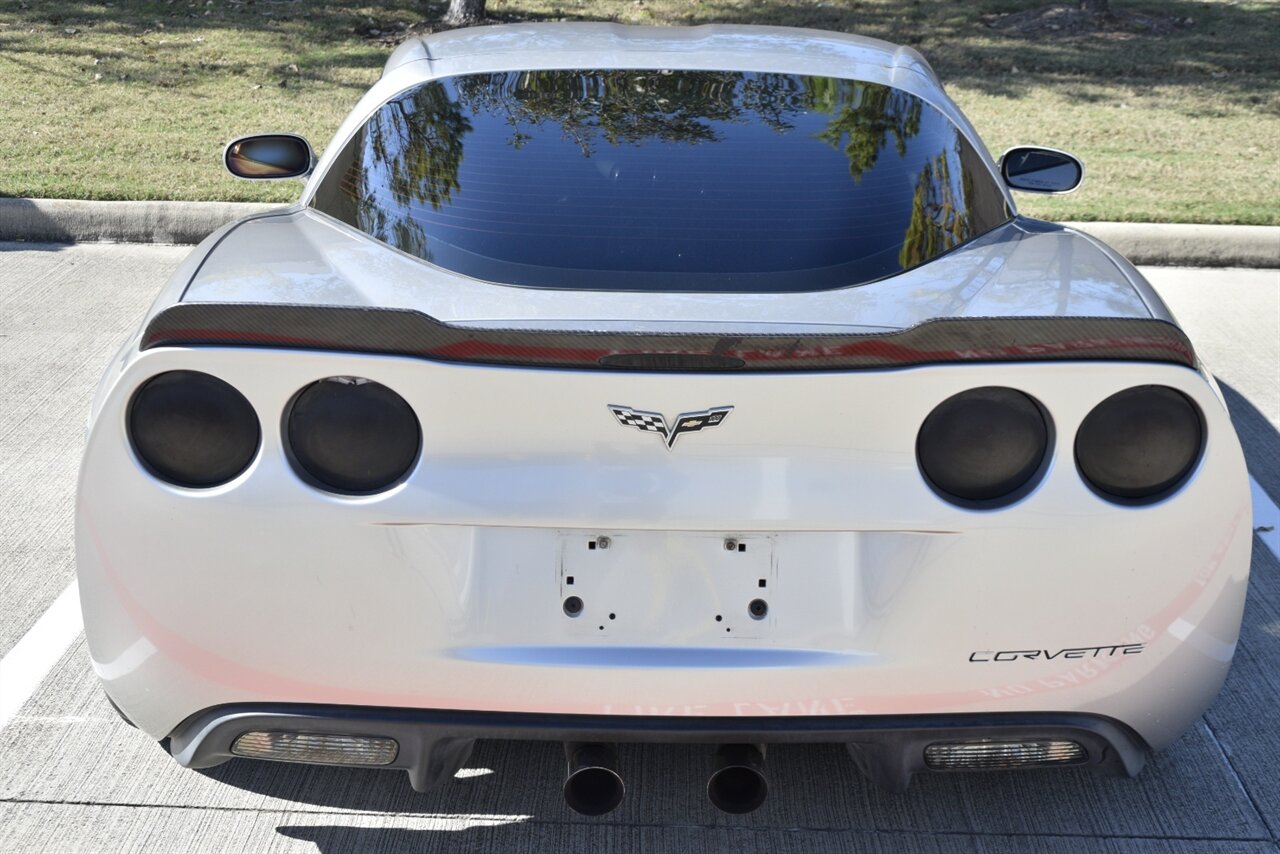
(738, 785)
(593, 785)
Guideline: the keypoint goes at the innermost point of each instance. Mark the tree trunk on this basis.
(464, 12)
(1093, 7)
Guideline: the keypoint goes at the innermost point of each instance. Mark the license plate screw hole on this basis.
(719, 618)
(602, 543)
(613, 616)
(573, 606)
(731, 545)
(758, 609)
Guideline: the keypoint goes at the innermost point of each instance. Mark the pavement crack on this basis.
(1231, 766)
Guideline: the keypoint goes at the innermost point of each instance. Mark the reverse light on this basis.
(977, 755)
(316, 748)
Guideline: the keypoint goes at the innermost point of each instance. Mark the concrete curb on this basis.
(1189, 245)
(72, 221)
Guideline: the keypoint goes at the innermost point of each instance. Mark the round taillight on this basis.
(983, 446)
(192, 429)
(352, 435)
(1140, 444)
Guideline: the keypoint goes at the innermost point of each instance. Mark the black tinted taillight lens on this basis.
(352, 435)
(983, 446)
(1140, 444)
(192, 429)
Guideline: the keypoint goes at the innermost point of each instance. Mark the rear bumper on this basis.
(450, 590)
(432, 744)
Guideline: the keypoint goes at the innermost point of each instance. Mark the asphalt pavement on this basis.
(73, 777)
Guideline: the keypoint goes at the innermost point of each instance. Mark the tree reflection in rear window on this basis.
(663, 180)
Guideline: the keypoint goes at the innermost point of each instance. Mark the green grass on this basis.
(137, 102)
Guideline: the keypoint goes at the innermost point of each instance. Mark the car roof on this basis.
(527, 46)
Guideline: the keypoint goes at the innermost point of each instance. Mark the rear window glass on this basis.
(663, 180)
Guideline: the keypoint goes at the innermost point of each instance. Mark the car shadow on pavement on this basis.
(1245, 718)
(1184, 794)
(1187, 791)
(481, 836)
(1260, 440)
(517, 835)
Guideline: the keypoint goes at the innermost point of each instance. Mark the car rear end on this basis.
(732, 407)
(790, 569)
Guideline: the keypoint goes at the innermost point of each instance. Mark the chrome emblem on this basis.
(654, 422)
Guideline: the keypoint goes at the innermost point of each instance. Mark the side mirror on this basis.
(1041, 170)
(269, 156)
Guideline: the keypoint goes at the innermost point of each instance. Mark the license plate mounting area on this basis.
(667, 588)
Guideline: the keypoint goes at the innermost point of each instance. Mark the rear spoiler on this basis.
(402, 332)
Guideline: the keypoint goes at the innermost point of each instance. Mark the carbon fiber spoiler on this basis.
(401, 332)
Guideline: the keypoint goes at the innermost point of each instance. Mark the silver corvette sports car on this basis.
(615, 384)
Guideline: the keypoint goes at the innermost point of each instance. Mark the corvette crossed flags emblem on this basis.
(654, 422)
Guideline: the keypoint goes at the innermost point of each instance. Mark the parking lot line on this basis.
(1266, 518)
(24, 667)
